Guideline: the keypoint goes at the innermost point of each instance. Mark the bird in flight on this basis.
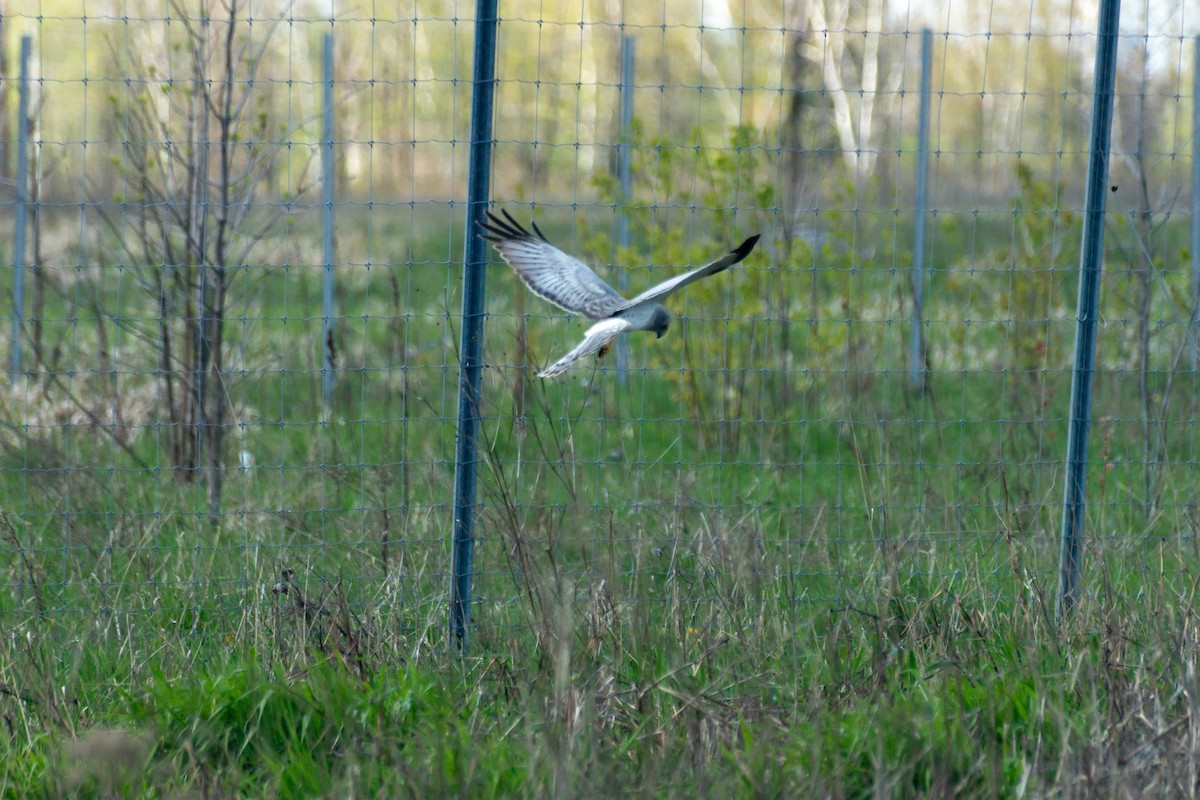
(572, 286)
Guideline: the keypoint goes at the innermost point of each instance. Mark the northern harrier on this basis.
(573, 286)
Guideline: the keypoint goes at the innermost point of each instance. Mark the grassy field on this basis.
(761, 567)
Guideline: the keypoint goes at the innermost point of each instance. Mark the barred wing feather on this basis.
(549, 272)
(594, 340)
(673, 285)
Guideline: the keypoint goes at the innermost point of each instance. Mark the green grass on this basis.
(774, 573)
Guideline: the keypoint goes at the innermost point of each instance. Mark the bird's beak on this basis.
(660, 334)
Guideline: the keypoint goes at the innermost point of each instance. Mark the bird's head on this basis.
(660, 320)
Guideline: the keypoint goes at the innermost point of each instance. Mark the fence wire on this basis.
(169, 458)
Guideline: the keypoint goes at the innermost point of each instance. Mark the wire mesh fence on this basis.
(235, 366)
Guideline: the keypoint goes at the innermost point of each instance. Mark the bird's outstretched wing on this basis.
(596, 337)
(549, 272)
(679, 281)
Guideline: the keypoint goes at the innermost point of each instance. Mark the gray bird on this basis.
(572, 286)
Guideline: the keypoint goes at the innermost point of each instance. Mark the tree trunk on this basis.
(798, 178)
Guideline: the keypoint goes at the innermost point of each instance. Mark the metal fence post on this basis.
(327, 180)
(916, 348)
(471, 347)
(5, 136)
(1091, 261)
(18, 316)
(1194, 327)
(624, 166)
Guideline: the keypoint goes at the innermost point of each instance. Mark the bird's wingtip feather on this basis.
(745, 247)
(501, 230)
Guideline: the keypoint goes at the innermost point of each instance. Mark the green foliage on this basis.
(1038, 293)
(957, 693)
(765, 570)
(837, 591)
(262, 728)
(690, 203)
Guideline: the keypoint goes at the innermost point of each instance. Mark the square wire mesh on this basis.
(168, 459)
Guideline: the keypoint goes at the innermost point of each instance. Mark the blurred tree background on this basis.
(828, 85)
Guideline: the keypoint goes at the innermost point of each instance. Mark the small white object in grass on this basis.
(247, 460)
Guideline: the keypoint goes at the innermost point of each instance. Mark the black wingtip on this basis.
(538, 231)
(745, 247)
(496, 229)
(513, 223)
(499, 230)
(486, 231)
